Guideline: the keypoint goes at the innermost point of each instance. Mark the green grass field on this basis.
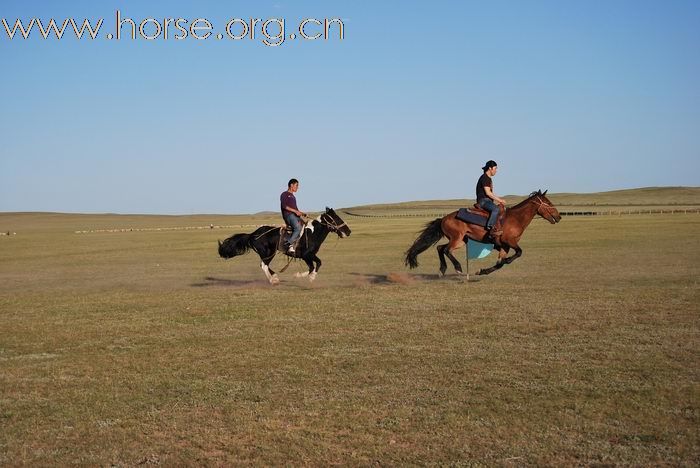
(144, 347)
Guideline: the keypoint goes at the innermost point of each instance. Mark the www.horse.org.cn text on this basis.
(271, 32)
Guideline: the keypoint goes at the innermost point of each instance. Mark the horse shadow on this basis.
(210, 281)
(405, 278)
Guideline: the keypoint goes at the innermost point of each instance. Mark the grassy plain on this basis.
(144, 347)
(650, 198)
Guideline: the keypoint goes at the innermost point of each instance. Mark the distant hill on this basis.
(653, 198)
(657, 197)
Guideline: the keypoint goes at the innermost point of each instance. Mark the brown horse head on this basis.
(545, 208)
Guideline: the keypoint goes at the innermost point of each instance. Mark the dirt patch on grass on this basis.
(366, 279)
(400, 278)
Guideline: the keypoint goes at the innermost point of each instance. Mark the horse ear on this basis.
(545, 192)
(327, 209)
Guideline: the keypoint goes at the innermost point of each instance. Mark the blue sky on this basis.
(575, 96)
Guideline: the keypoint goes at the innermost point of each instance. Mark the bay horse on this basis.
(515, 221)
(266, 239)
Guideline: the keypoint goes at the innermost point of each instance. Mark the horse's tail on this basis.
(427, 238)
(237, 244)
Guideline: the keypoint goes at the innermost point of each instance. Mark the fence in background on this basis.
(402, 215)
(563, 213)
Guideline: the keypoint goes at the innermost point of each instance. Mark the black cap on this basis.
(489, 164)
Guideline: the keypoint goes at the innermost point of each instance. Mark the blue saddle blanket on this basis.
(468, 217)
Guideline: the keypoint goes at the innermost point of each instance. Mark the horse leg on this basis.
(314, 264)
(449, 248)
(311, 273)
(267, 251)
(441, 254)
(269, 273)
(455, 231)
(516, 255)
(312, 268)
(499, 264)
(506, 248)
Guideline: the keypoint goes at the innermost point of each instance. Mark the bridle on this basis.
(549, 206)
(331, 225)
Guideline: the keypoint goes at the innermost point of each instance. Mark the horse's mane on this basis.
(529, 197)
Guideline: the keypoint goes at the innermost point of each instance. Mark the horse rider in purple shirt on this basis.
(291, 214)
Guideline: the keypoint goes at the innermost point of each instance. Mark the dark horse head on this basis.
(334, 223)
(266, 240)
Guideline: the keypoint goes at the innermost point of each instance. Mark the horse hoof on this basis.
(274, 280)
(312, 277)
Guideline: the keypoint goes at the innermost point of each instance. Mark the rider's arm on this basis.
(296, 212)
(493, 196)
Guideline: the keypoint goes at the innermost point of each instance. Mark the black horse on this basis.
(266, 239)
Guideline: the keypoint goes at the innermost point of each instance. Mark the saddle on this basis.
(285, 233)
(479, 210)
(479, 216)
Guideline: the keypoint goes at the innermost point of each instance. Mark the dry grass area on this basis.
(146, 348)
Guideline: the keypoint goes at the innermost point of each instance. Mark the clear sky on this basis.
(570, 96)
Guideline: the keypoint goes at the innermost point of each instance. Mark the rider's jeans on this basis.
(489, 205)
(295, 222)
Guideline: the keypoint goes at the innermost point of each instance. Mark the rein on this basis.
(331, 224)
(541, 202)
(275, 228)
